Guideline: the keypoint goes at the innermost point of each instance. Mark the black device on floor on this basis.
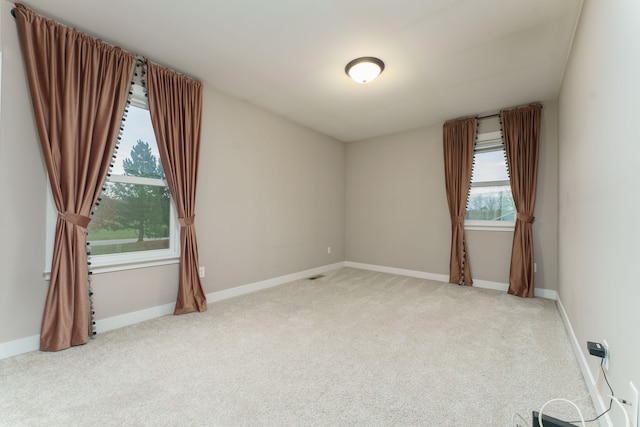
(548, 421)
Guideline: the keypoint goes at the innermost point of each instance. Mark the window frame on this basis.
(481, 224)
(126, 260)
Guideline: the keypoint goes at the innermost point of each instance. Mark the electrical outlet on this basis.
(535, 267)
(329, 250)
(201, 271)
(633, 409)
(605, 361)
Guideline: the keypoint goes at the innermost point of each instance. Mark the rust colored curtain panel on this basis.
(458, 142)
(78, 90)
(175, 104)
(521, 128)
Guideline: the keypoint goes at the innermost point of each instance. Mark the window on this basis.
(490, 204)
(135, 223)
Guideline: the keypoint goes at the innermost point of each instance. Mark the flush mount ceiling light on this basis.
(364, 70)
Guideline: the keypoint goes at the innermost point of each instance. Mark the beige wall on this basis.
(22, 192)
(270, 202)
(397, 215)
(599, 149)
(396, 212)
(270, 195)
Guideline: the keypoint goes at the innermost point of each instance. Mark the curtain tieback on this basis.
(525, 218)
(75, 219)
(457, 220)
(186, 221)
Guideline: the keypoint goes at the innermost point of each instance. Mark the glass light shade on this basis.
(364, 70)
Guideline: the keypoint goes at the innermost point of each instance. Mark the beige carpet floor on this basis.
(353, 348)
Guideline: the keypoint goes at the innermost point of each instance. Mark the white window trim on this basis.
(486, 225)
(128, 260)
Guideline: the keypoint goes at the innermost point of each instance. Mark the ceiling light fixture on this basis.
(364, 70)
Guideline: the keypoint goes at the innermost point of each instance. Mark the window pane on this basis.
(130, 218)
(490, 204)
(490, 166)
(138, 150)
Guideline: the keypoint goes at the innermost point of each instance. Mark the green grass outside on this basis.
(111, 235)
(148, 245)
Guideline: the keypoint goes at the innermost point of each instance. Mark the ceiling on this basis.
(444, 58)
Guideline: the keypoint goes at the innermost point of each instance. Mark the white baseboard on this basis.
(398, 271)
(32, 343)
(598, 401)
(19, 346)
(134, 317)
(545, 293)
(485, 284)
(497, 286)
(269, 283)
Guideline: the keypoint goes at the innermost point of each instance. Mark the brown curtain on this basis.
(175, 104)
(78, 90)
(521, 128)
(458, 140)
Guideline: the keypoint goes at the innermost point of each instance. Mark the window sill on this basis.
(488, 225)
(100, 268)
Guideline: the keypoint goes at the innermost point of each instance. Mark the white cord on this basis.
(513, 420)
(560, 399)
(593, 388)
(627, 421)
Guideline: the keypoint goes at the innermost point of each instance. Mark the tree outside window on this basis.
(135, 212)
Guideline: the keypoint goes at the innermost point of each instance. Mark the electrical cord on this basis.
(513, 420)
(627, 421)
(527, 423)
(560, 399)
(610, 389)
(593, 388)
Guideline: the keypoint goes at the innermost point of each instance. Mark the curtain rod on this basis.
(489, 116)
(137, 56)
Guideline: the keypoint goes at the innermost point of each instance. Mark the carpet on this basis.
(352, 348)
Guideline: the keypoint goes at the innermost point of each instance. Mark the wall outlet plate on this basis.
(633, 409)
(201, 272)
(605, 361)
